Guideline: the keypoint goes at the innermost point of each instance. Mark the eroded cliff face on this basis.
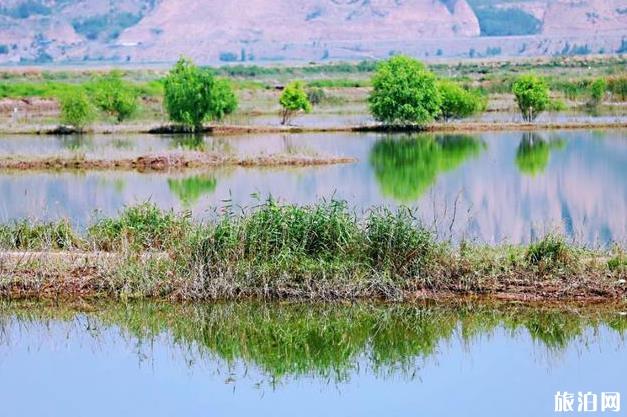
(304, 21)
(208, 30)
(592, 16)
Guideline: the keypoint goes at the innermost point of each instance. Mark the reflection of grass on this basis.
(189, 190)
(406, 168)
(326, 340)
(533, 154)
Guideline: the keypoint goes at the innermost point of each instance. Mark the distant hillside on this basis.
(42, 31)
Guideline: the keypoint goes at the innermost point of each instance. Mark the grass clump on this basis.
(25, 235)
(549, 253)
(141, 227)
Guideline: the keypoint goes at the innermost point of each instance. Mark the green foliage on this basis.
(193, 95)
(597, 91)
(404, 92)
(338, 83)
(293, 99)
(617, 85)
(315, 96)
(549, 253)
(458, 102)
(25, 235)
(532, 96)
(190, 190)
(77, 109)
(115, 97)
(507, 22)
(142, 227)
(406, 168)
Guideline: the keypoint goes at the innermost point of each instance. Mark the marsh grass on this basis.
(324, 250)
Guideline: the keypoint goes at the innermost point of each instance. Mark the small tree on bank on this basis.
(532, 96)
(457, 102)
(597, 91)
(404, 92)
(193, 95)
(292, 100)
(76, 109)
(115, 97)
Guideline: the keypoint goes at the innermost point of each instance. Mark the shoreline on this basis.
(74, 276)
(230, 130)
(172, 161)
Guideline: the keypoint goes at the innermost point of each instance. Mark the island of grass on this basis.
(275, 251)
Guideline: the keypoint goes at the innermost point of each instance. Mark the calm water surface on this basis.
(491, 187)
(285, 360)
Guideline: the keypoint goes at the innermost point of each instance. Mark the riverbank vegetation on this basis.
(322, 251)
(135, 98)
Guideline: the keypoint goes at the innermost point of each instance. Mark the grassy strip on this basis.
(285, 251)
(169, 161)
(331, 341)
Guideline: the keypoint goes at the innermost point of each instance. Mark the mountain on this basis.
(211, 31)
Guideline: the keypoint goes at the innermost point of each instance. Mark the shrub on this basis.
(76, 109)
(597, 91)
(141, 227)
(550, 253)
(292, 100)
(25, 235)
(404, 92)
(618, 87)
(532, 96)
(193, 95)
(315, 96)
(458, 102)
(115, 97)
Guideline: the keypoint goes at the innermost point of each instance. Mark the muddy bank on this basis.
(175, 161)
(229, 130)
(74, 275)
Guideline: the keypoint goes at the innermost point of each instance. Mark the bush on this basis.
(532, 96)
(404, 92)
(292, 100)
(115, 97)
(76, 109)
(315, 96)
(618, 87)
(597, 91)
(141, 227)
(193, 95)
(549, 253)
(458, 102)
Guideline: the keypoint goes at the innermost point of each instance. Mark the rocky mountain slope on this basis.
(43, 31)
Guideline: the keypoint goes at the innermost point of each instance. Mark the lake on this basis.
(286, 359)
(489, 187)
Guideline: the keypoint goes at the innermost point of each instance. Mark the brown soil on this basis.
(75, 275)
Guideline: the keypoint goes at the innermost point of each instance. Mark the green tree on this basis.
(597, 91)
(406, 168)
(404, 92)
(293, 99)
(193, 95)
(457, 102)
(76, 109)
(115, 97)
(532, 96)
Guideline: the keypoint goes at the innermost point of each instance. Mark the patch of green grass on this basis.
(25, 235)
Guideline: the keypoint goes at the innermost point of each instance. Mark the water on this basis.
(308, 360)
(490, 187)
